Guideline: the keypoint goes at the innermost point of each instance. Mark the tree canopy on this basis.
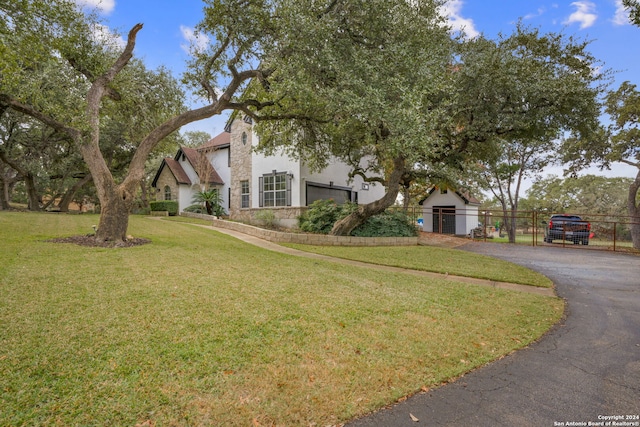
(381, 80)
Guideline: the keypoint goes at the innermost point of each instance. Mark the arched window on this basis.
(244, 138)
(167, 192)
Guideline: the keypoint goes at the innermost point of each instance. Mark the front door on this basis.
(444, 219)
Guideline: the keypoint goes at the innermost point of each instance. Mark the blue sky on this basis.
(168, 31)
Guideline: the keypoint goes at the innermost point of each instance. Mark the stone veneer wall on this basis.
(241, 169)
(305, 239)
(166, 178)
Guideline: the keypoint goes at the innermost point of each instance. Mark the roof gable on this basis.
(176, 170)
(466, 197)
(200, 165)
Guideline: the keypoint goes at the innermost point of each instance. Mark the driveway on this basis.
(586, 369)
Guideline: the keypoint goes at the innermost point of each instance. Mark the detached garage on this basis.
(447, 211)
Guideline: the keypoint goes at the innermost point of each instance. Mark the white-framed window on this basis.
(244, 194)
(275, 189)
(167, 192)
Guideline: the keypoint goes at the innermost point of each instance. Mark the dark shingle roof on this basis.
(218, 141)
(201, 165)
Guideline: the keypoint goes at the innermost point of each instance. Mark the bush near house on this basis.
(199, 209)
(170, 206)
(387, 224)
(322, 214)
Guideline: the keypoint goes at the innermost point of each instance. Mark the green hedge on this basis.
(322, 214)
(170, 206)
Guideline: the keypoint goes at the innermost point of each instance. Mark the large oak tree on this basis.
(525, 92)
(43, 38)
(620, 143)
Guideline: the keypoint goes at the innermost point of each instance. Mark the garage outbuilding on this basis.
(448, 211)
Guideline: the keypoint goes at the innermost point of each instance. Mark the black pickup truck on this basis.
(569, 228)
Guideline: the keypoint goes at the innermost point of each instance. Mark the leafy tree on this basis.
(195, 139)
(65, 77)
(620, 143)
(520, 95)
(45, 40)
(503, 175)
(363, 81)
(601, 198)
(633, 6)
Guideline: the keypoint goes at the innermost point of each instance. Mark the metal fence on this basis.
(607, 232)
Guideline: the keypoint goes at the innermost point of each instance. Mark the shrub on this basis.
(266, 218)
(211, 200)
(170, 206)
(387, 224)
(322, 214)
(199, 209)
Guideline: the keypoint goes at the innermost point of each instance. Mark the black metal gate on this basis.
(444, 219)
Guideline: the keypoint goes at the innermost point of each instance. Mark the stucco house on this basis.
(249, 182)
(448, 211)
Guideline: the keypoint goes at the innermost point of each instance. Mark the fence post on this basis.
(614, 237)
(535, 229)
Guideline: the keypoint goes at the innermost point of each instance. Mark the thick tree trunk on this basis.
(634, 211)
(346, 225)
(33, 199)
(4, 195)
(143, 193)
(67, 198)
(115, 204)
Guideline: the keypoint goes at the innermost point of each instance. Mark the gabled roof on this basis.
(200, 164)
(176, 169)
(466, 197)
(198, 161)
(222, 140)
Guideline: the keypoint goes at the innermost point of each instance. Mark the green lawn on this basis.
(198, 328)
(438, 260)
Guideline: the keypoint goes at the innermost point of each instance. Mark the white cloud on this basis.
(540, 12)
(105, 6)
(451, 10)
(584, 14)
(196, 42)
(622, 15)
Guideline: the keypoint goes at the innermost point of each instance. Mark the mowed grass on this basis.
(198, 328)
(437, 260)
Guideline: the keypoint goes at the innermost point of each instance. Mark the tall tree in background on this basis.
(520, 95)
(503, 175)
(620, 144)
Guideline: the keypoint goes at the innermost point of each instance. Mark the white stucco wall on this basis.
(219, 159)
(466, 214)
(191, 173)
(338, 173)
(262, 165)
(186, 196)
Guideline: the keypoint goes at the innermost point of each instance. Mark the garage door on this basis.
(325, 192)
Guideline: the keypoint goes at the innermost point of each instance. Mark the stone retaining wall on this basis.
(303, 238)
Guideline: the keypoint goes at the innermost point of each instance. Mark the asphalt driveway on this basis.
(585, 371)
